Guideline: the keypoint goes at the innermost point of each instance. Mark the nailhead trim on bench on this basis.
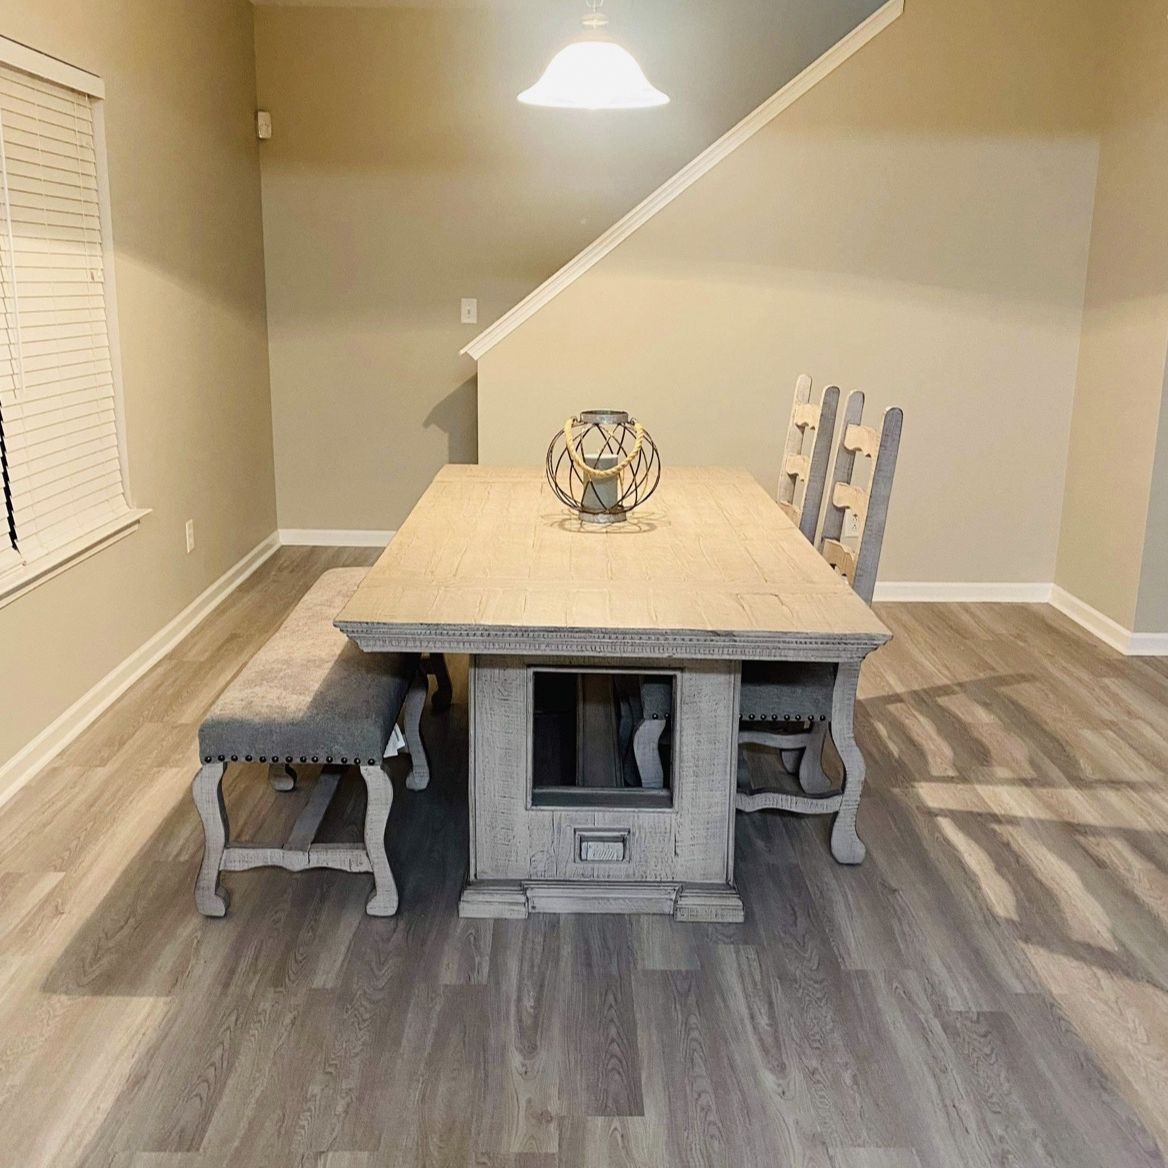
(288, 758)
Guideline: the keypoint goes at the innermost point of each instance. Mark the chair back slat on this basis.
(841, 558)
(862, 440)
(798, 466)
(866, 499)
(791, 512)
(854, 499)
(845, 461)
(805, 458)
(805, 413)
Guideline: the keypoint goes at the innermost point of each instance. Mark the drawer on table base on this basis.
(601, 847)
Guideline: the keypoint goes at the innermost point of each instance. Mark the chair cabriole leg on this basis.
(846, 845)
(646, 750)
(435, 663)
(411, 717)
(282, 777)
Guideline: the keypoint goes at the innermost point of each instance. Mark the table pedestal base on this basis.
(618, 839)
(517, 899)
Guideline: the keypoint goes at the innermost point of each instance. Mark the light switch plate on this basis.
(469, 310)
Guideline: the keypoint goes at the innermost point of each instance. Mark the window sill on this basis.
(16, 582)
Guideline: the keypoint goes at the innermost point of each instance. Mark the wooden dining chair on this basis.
(805, 456)
(787, 705)
(800, 494)
(857, 557)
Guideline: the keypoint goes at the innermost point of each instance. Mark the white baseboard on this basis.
(1111, 632)
(1148, 645)
(38, 753)
(324, 537)
(957, 593)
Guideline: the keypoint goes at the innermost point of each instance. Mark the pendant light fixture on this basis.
(593, 73)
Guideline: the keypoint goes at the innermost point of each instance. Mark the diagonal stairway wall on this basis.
(916, 225)
(403, 175)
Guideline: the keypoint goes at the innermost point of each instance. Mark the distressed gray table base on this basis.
(517, 899)
(676, 854)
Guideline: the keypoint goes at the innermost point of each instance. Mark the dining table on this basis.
(568, 625)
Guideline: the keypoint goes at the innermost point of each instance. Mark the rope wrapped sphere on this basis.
(602, 464)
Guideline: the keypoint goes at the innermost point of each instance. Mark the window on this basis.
(60, 439)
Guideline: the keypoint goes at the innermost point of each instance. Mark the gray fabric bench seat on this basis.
(311, 696)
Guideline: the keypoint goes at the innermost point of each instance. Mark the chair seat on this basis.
(310, 694)
(786, 691)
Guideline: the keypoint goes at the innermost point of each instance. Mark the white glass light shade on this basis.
(593, 74)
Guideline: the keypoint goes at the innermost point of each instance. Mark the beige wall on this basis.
(403, 175)
(184, 182)
(1152, 607)
(1114, 548)
(917, 227)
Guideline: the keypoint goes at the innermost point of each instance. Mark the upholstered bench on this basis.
(311, 696)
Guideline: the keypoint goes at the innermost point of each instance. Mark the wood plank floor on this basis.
(989, 988)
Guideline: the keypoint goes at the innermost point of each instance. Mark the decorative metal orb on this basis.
(602, 464)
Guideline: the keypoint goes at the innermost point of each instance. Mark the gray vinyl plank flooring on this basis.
(990, 988)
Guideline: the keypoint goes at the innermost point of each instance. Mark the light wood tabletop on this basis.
(490, 562)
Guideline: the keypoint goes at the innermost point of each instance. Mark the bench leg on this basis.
(411, 716)
(282, 777)
(379, 792)
(435, 663)
(211, 897)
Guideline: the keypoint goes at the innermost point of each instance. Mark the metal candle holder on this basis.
(602, 464)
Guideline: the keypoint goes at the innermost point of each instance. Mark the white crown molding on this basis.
(1111, 632)
(686, 177)
(944, 592)
(327, 537)
(38, 753)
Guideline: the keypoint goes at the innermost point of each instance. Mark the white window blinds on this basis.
(57, 400)
(9, 557)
